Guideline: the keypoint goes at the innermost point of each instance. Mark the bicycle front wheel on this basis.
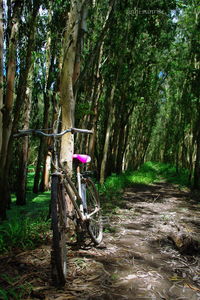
(94, 226)
(59, 250)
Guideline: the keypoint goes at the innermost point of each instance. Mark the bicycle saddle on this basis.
(82, 158)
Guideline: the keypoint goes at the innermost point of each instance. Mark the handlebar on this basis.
(39, 132)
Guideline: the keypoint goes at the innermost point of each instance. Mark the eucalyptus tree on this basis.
(24, 95)
(178, 123)
(135, 53)
(8, 105)
(70, 73)
(20, 34)
(48, 60)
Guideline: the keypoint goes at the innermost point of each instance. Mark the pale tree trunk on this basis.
(42, 151)
(45, 184)
(69, 68)
(7, 111)
(9, 98)
(1, 69)
(23, 103)
(95, 88)
(108, 133)
(96, 93)
(93, 122)
(69, 74)
(24, 146)
(96, 49)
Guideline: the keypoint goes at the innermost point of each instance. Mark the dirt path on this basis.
(137, 259)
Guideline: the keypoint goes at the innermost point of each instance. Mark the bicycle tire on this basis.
(58, 217)
(94, 225)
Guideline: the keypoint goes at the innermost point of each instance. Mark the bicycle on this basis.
(84, 197)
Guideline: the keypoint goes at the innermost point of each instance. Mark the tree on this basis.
(1, 69)
(24, 100)
(7, 109)
(69, 68)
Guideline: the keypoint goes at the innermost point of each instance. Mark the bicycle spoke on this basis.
(95, 227)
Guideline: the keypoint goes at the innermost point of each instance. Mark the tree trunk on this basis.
(1, 69)
(196, 184)
(69, 75)
(44, 184)
(67, 98)
(7, 111)
(43, 147)
(23, 151)
(185, 242)
(95, 94)
(107, 137)
(23, 102)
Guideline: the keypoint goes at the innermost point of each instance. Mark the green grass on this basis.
(13, 291)
(149, 172)
(26, 227)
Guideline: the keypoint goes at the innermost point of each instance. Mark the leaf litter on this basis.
(137, 260)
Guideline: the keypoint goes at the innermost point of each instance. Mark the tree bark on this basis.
(95, 94)
(23, 153)
(7, 111)
(1, 69)
(23, 102)
(42, 172)
(67, 97)
(43, 140)
(184, 241)
(69, 75)
(107, 137)
(196, 184)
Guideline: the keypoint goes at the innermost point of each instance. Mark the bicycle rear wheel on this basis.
(94, 226)
(59, 250)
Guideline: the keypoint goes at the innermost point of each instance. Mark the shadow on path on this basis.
(137, 259)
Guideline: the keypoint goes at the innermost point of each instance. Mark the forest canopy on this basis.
(128, 70)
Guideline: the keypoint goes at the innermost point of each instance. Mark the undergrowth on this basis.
(13, 291)
(27, 225)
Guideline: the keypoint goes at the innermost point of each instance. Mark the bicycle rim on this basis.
(94, 226)
(59, 250)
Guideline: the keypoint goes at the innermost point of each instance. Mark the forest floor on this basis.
(137, 260)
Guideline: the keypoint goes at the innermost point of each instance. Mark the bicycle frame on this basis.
(63, 173)
(67, 182)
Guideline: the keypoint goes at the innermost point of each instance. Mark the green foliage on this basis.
(168, 173)
(26, 227)
(24, 233)
(13, 291)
